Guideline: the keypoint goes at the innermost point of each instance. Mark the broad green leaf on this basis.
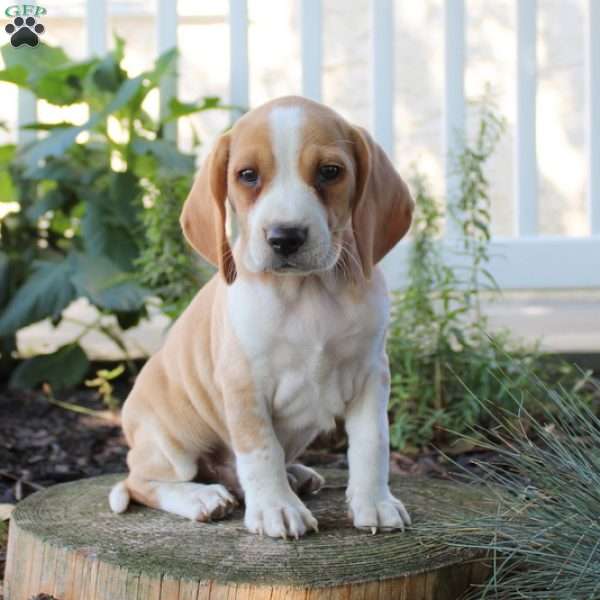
(44, 58)
(163, 64)
(110, 223)
(59, 141)
(127, 91)
(107, 286)
(7, 153)
(107, 75)
(150, 79)
(166, 154)
(55, 144)
(146, 122)
(119, 49)
(59, 224)
(178, 109)
(54, 170)
(16, 74)
(63, 85)
(47, 71)
(47, 291)
(64, 368)
(46, 126)
(83, 166)
(125, 195)
(8, 192)
(52, 200)
(103, 238)
(104, 80)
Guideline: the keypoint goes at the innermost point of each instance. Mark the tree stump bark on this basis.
(65, 541)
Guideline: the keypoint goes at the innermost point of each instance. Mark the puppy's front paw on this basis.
(382, 511)
(279, 516)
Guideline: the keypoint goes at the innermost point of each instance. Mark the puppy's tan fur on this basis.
(213, 416)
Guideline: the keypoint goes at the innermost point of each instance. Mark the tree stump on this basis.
(65, 541)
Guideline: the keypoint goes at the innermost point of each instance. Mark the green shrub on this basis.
(439, 335)
(164, 264)
(82, 228)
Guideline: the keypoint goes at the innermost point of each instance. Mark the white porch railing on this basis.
(526, 261)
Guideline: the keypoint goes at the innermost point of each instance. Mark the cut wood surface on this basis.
(65, 541)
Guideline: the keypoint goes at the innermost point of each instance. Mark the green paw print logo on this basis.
(25, 28)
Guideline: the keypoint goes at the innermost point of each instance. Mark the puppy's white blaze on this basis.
(289, 199)
(286, 125)
(118, 498)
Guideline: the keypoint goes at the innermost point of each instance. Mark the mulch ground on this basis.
(42, 444)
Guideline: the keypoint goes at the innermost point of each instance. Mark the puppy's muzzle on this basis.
(286, 240)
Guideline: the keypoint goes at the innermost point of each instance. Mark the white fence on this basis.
(528, 260)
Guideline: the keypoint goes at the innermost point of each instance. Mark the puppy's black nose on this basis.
(286, 240)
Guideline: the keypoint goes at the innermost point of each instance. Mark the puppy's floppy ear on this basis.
(383, 206)
(203, 215)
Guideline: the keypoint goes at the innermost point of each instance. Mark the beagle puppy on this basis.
(286, 338)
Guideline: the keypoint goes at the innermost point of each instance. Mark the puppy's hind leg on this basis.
(304, 480)
(161, 477)
(196, 501)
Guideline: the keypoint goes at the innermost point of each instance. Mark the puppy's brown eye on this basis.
(248, 177)
(329, 173)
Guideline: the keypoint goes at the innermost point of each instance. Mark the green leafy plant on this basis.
(91, 204)
(164, 263)
(439, 332)
(543, 539)
(103, 384)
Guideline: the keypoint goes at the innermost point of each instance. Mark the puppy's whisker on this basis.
(350, 251)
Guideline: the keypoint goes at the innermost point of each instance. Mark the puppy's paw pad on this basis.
(383, 513)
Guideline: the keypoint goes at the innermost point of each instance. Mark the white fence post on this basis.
(26, 113)
(166, 38)
(525, 150)
(382, 69)
(312, 48)
(96, 27)
(238, 55)
(454, 100)
(592, 128)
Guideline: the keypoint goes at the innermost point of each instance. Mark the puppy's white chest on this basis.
(308, 351)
